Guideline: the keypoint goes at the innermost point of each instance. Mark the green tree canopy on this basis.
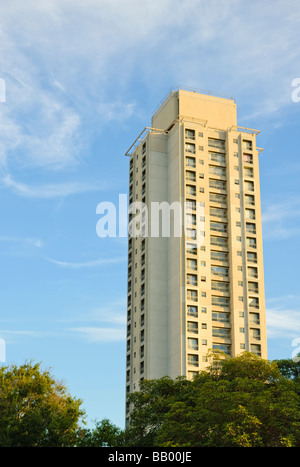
(242, 401)
(105, 434)
(36, 410)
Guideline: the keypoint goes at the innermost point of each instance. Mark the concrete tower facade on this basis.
(197, 282)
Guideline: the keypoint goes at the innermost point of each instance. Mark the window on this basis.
(250, 213)
(247, 145)
(192, 279)
(253, 302)
(217, 184)
(250, 228)
(219, 271)
(192, 310)
(222, 348)
(221, 286)
(191, 248)
(192, 295)
(190, 204)
(248, 158)
(254, 318)
(248, 172)
(217, 157)
(192, 343)
(256, 349)
(193, 360)
(251, 257)
(217, 198)
(190, 175)
(249, 199)
(220, 317)
(220, 171)
(191, 233)
(190, 161)
(222, 333)
(219, 241)
(220, 301)
(216, 143)
(218, 226)
(192, 326)
(191, 219)
(218, 212)
(251, 242)
(255, 334)
(253, 287)
(249, 186)
(190, 147)
(190, 134)
(219, 255)
(191, 190)
(252, 272)
(192, 264)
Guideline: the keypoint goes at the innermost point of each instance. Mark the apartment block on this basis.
(197, 282)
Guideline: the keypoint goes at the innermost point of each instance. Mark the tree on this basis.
(241, 401)
(289, 367)
(105, 434)
(36, 410)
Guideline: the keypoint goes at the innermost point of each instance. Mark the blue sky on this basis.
(82, 80)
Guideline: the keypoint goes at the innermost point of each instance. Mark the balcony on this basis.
(216, 143)
(220, 317)
(190, 147)
(190, 162)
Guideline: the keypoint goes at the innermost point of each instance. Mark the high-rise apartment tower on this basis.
(200, 287)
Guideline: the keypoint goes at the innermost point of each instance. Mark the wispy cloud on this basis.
(88, 264)
(283, 316)
(48, 191)
(37, 243)
(281, 219)
(100, 334)
(282, 323)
